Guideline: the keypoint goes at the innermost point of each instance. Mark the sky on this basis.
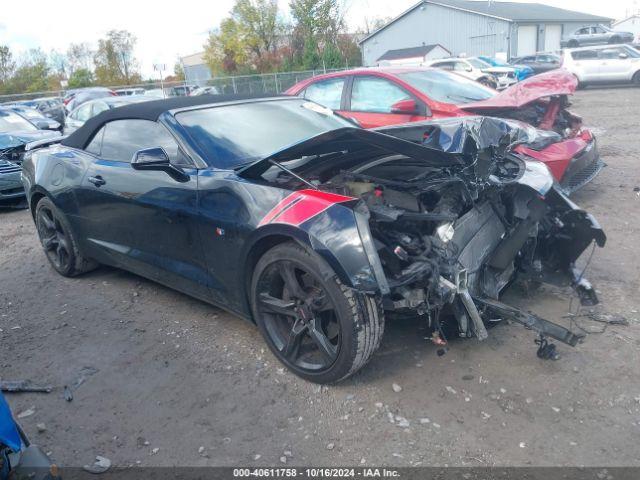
(165, 31)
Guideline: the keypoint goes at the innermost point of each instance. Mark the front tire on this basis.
(636, 79)
(319, 328)
(58, 241)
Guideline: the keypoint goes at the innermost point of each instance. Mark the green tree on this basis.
(32, 73)
(7, 65)
(259, 25)
(226, 48)
(114, 60)
(82, 77)
(79, 57)
(178, 70)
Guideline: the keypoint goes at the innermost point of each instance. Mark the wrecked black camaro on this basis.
(284, 213)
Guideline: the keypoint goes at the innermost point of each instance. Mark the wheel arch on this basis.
(271, 235)
(37, 194)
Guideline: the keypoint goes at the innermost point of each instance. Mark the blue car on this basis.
(18, 458)
(522, 71)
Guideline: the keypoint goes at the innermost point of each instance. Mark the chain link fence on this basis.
(266, 83)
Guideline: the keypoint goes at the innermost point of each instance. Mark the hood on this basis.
(555, 82)
(15, 139)
(350, 142)
(452, 135)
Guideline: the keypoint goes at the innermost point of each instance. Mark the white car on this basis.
(603, 64)
(478, 70)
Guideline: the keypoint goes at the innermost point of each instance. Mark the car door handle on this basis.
(98, 181)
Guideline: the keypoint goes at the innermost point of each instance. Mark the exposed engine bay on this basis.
(451, 237)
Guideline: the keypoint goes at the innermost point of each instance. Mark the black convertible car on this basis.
(287, 215)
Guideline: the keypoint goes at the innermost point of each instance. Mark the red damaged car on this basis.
(377, 97)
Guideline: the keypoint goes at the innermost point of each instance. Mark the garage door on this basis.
(527, 39)
(552, 36)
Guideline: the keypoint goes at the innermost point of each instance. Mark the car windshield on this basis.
(446, 87)
(29, 113)
(10, 121)
(235, 135)
(477, 63)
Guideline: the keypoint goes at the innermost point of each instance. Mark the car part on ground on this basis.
(312, 228)
(603, 64)
(595, 35)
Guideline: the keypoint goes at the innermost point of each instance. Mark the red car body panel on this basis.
(555, 82)
(557, 156)
(302, 205)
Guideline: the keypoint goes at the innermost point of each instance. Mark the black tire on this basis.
(573, 44)
(343, 327)
(636, 79)
(59, 242)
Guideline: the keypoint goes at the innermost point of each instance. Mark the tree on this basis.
(178, 71)
(82, 77)
(226, 49)
(79, 57)
(258, 24)
(7, 65)
(114, 60)
(32, 73)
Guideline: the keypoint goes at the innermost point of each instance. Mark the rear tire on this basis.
(59, 242)
(636, 79)
(318, 328)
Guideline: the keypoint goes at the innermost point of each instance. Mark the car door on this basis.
(613, 64)
(375, 102)
(142, 220)
(585, 65)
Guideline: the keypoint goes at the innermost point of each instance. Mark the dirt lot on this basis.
(165, 375)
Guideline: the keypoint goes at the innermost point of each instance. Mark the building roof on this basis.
(508, 11)
(630, 17)
(193, 59)
(150, 110)
(411, 52)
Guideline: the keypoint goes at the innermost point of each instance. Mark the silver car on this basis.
(595, 35)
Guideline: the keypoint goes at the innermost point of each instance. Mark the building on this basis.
(413, 55)
(195, 68)
(630, 24)
(477, 28)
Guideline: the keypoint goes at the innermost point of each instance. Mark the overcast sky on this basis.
(166, 30)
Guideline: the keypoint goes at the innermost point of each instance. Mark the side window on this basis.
(583, 31)
(444, 65)
(83, 113)
(460, 67)
(98, 107)
(326, 92)
(371, 94)
(584, 55)
(95, 145)
(123, 138)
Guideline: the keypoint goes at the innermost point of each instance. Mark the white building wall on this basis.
(456, 30)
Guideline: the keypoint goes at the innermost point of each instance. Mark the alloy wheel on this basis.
(54, 239)
(299, 317)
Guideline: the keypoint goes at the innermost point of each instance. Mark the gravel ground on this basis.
(168, 380)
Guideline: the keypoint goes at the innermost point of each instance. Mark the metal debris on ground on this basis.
(18, 386)
(101, 465)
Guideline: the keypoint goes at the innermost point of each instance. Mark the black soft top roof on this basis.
(150, 110)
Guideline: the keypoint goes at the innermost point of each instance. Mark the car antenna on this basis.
(285, 169)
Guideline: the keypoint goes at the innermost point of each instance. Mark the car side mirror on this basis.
(623, 55)
(42, 125)
(156, 159)
(469, 69)
(406, 107)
